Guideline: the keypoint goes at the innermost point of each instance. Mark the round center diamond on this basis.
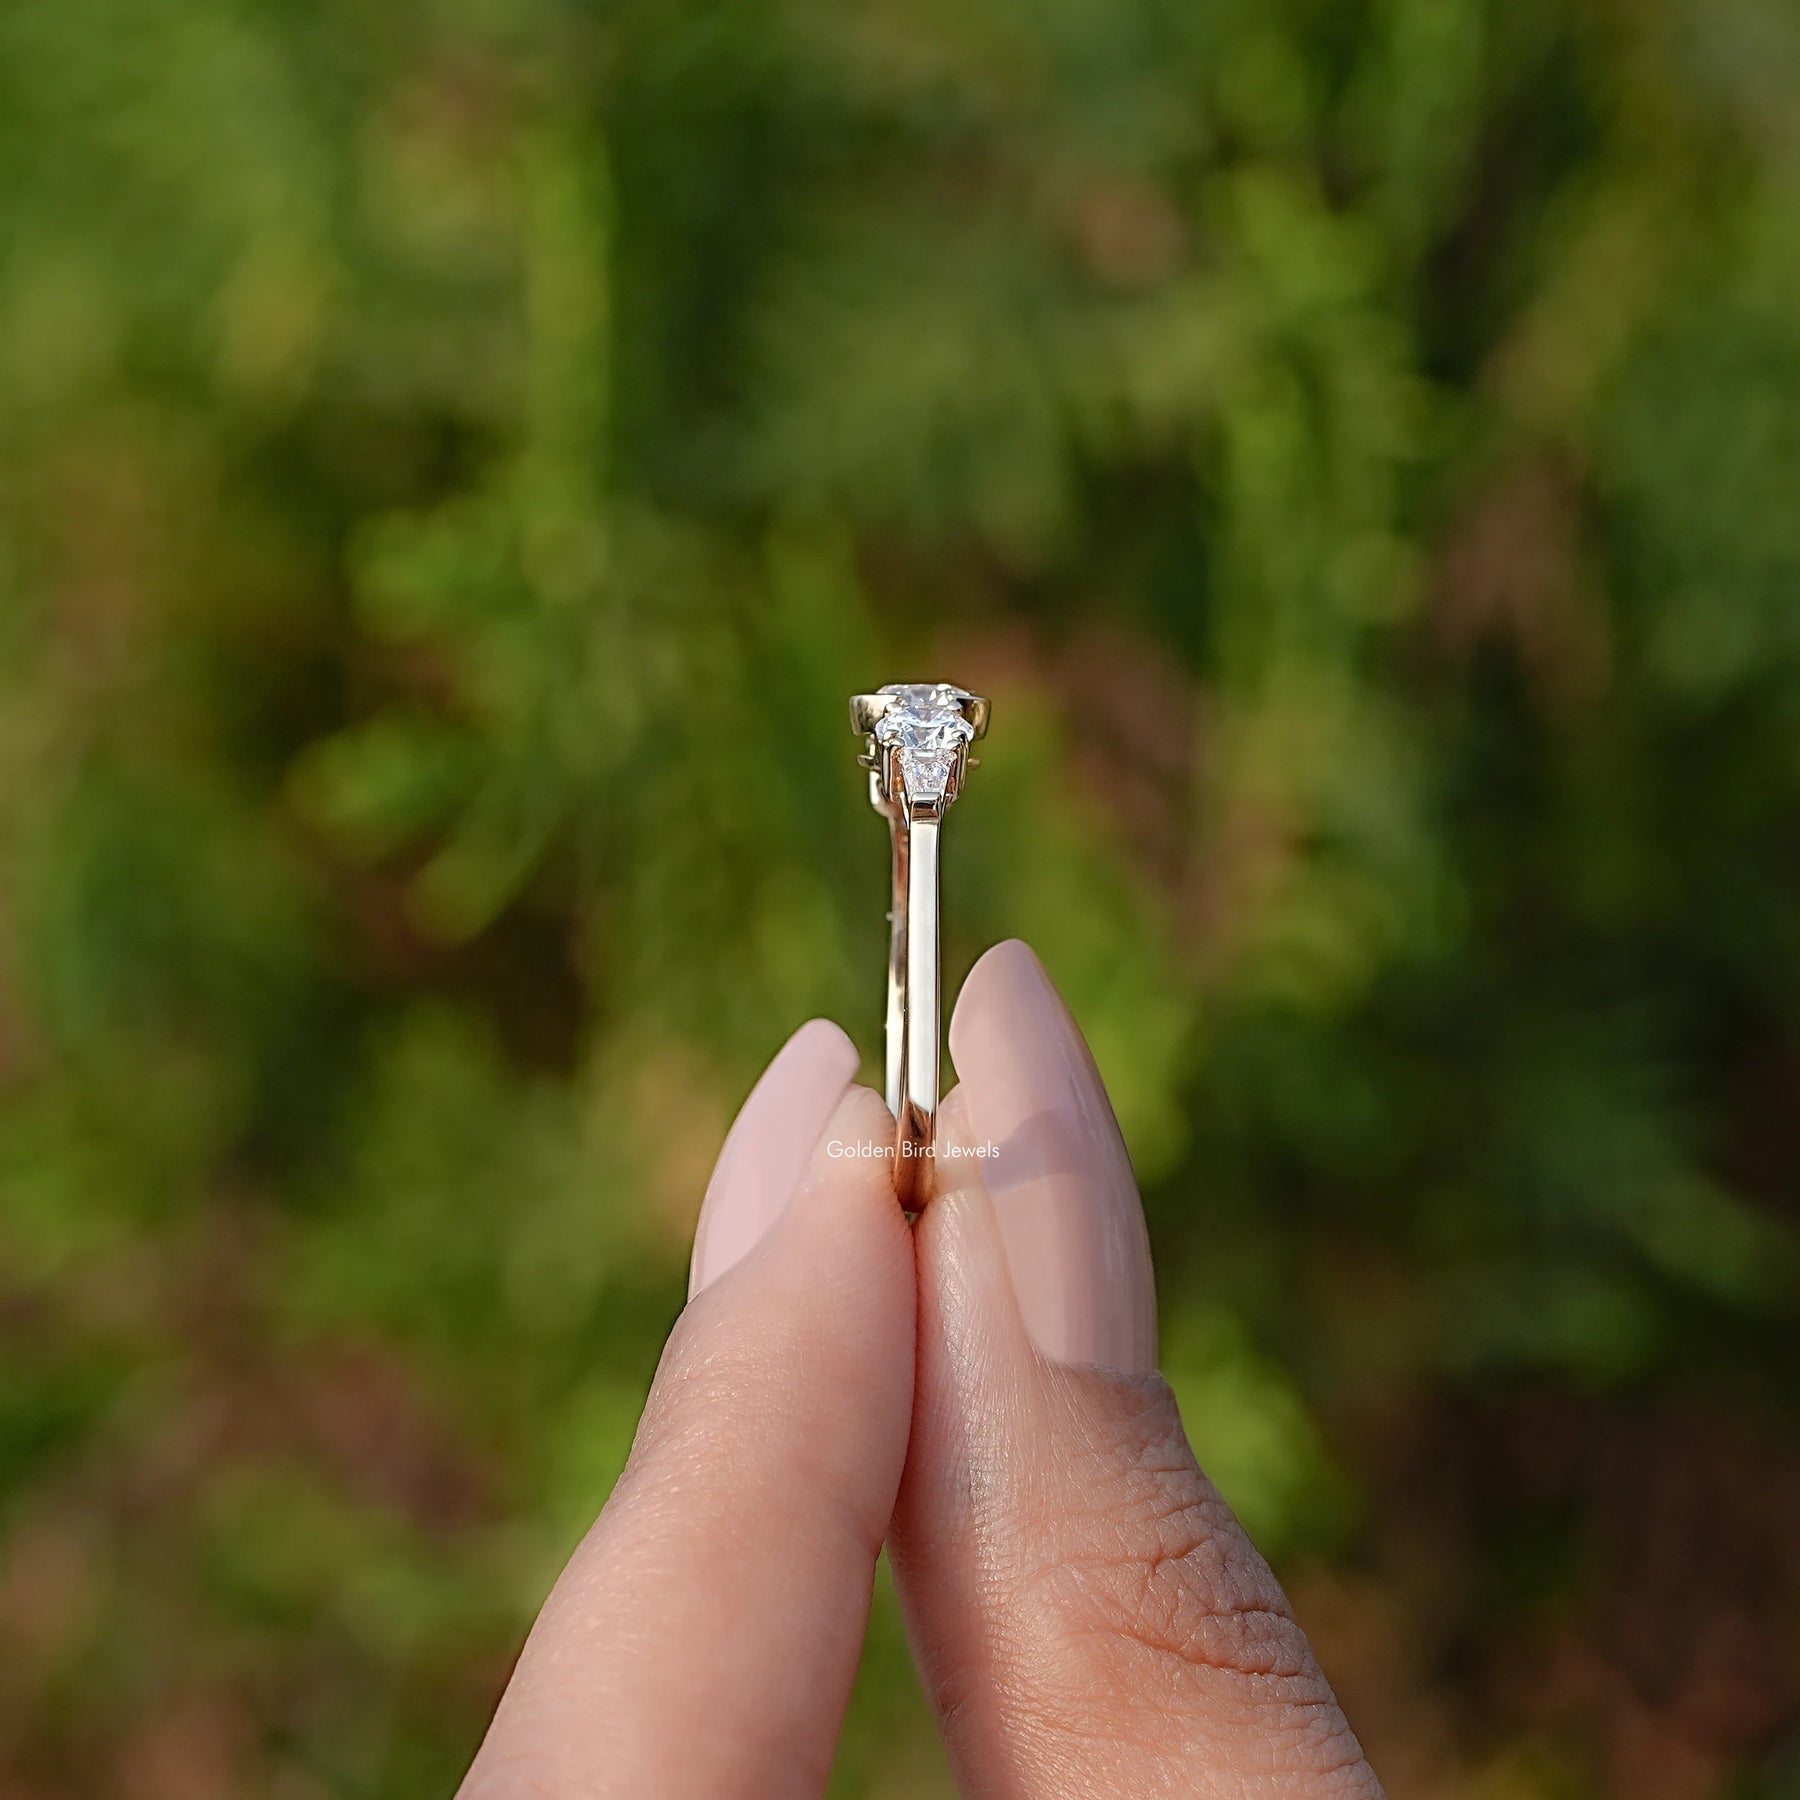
(925, 724)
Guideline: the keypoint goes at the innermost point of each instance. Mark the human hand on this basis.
(1088, 1616)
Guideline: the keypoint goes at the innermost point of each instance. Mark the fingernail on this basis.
(1057, 1171)
(769, 1147)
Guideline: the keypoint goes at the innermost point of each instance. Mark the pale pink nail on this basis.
(769, 1147)
(1061, 1182)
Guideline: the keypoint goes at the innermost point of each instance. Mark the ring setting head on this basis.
(919, 733)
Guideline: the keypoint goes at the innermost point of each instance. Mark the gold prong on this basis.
(866, 711)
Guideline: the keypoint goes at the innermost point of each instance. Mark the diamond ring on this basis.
(917, 737)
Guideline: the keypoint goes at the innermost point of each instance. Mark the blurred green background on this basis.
(456, 458)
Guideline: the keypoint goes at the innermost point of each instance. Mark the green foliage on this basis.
(455, 461)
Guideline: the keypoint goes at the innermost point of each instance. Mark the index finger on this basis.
(703, 1639)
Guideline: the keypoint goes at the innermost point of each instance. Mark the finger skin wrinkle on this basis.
(1168, 1581)
(1153, 1622)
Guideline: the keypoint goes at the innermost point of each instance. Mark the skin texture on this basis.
(1088, 1615)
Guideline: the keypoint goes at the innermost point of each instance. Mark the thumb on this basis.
(1089, 1615)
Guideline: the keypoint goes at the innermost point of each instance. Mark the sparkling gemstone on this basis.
(926, 726)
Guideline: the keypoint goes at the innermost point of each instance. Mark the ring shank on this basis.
(896, 993)
(916, 844)
(913, 1001)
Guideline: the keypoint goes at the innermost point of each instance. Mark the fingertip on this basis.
(826, 1045)
(819, 1319)
(1057, 1167)
(769, 1147)
(859, 1133)
(988, 992)
(850, 1181)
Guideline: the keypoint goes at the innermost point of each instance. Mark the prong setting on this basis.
(918, 737)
